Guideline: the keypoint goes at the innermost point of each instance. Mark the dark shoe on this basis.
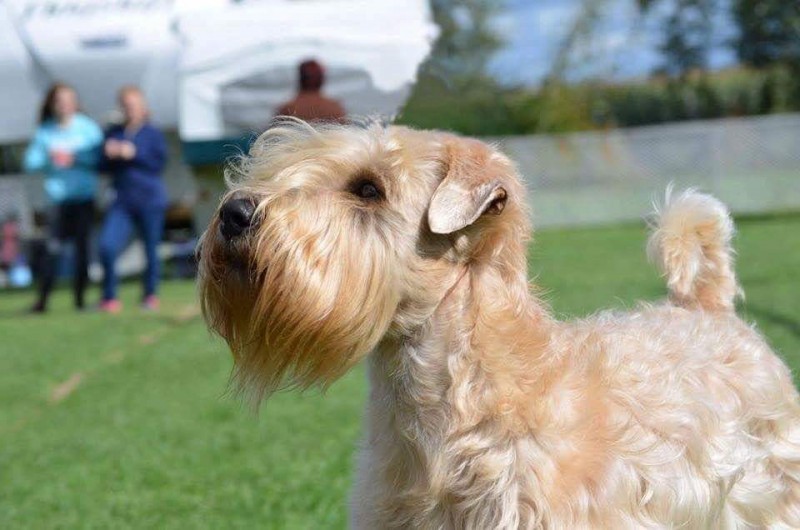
(37, 309)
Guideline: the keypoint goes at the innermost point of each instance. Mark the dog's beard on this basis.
(316, 298)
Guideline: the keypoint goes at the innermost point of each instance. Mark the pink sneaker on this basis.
(151, 303)
(111, 306)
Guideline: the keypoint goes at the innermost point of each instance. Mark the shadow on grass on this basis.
(792, 325)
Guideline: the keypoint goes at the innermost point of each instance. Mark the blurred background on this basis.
(120, 418)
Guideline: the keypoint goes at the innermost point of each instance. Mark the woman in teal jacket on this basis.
(66, 148)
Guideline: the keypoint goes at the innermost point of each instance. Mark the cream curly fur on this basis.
(485, 412)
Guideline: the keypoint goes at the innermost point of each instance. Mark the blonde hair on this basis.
(129, 89)
(134, 89)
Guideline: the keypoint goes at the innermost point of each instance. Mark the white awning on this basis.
(214, 68)
(20, 84)
(239, 62)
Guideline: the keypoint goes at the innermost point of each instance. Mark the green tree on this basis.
(454, 90)
(769, 32)
(581, 28)
(687, 36)
(467, 39)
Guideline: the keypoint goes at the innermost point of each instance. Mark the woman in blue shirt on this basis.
(135, 154)
(66, 148)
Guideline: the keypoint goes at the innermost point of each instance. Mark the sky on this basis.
(624, 46)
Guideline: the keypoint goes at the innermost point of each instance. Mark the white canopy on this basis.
(94, 45)
(240, 62)
(20, 82)
(215, 68)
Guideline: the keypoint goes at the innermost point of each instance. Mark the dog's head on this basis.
(333, 238)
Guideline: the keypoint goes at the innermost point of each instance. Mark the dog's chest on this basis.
(436, 458)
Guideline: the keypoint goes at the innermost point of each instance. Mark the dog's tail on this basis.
(691, 244)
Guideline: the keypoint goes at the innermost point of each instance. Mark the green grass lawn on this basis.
(124, 422)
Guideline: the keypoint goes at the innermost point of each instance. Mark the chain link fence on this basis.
(15, 204)
(752, 164)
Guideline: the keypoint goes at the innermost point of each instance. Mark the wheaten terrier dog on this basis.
(339, 243)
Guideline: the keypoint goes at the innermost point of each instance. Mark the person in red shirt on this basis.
(310, 104)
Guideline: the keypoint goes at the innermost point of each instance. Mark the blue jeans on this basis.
(117, 229)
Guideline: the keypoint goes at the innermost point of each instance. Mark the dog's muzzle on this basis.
(236, 217)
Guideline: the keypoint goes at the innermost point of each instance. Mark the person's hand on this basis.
(62, 158)
(127, 150)
(111, 149)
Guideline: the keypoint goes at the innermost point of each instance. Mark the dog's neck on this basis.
(470, 362)
(488, 327)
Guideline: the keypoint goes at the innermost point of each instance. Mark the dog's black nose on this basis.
(236, 216)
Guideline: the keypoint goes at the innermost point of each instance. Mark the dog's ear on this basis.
(472, 186)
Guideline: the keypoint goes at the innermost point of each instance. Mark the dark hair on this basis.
(312, 75)
(47, 113)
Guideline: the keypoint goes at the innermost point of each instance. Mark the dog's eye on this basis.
(366, 189)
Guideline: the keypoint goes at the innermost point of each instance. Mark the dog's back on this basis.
(709, 410)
